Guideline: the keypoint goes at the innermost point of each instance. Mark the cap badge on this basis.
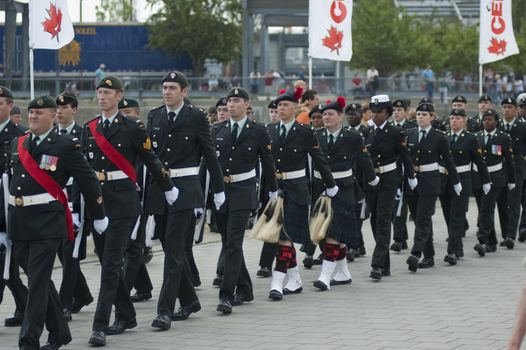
(61, 98)
(40, 102)
(108, 82)
(173, 75)
(125, 102)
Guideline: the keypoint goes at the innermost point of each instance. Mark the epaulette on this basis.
(305, 126)
(153, 109)
(440, 131)
(223, 123)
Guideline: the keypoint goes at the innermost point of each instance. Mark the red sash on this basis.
(109, 151)
(44, 180)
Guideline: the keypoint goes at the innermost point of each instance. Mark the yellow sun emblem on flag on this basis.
(69, 55)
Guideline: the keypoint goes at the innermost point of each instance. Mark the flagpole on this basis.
(480, 79)
(31, 73)
(310, 72)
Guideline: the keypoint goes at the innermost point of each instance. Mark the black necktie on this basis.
(331, 141)
(399, 125)
(33, 143)
(423, 136)
(171, 117)
(283, 133)
(106, 126)
(508, 128)
(63, 131)
(488, 138)
(453, 138)
(235, 128)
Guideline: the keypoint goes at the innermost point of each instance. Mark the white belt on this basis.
(385, 168)
(181, 172)
(24, 201)
(336, 174)
(464, 168)
(289, 175)
(111, 175)
(491, 168)
(442, 170)
(240, 177)
(426, 167)
(70, 182)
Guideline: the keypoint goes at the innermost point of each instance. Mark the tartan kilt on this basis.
(295, 222)
(343, 221)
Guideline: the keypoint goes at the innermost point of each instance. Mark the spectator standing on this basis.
(429, 78)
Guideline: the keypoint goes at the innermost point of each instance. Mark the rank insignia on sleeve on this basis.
(147, 145)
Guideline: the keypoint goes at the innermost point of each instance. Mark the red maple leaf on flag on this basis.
(334, 40)
(53, 23)
(497, 47)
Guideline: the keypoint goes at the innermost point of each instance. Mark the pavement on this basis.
(468, 306)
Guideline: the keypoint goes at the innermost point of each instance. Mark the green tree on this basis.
(199, 28)
(115, 11)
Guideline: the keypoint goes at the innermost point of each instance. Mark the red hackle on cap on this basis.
(327, 102)
(341, 101)
(298, 93)
(282, 91)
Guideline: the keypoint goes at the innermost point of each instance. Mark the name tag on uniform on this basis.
(411, 144)
(496, 149)
(220, 139)
(156, 128)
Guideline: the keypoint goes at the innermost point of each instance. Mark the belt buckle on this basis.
(279, 176)
(227, 179)
(417, 168)
(101, 176)
(19, 201)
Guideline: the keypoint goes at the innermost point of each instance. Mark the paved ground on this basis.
(468, 306)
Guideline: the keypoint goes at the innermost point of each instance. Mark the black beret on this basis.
(15, 110)
(491, 113)
(238, 92)
(425, 107)
(337, 105)
(353, 107)
(272, 105)
(380, 102)
(292, 95)
(315, 109)
(460, 98)
(426, 100)
(5, 92)
(484, 98)
(458, 112)
(400, 104)
(176, 77)
(221, 102)
(42, 102)
(509, 101)
(110, 82)
(66, 98)
(128, 102)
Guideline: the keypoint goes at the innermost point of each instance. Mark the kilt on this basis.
(343, 224)
(295, 221)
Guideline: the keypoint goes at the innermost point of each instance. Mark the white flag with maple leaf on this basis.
(330, 33)
(497, 40)
(50, 26)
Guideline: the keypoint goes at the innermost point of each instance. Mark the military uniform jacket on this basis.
(386, 146)
(466, 150)
(434, 148)
(518, 143)
(406, 125)
(348, 152)
(439, 125)
(46, 221)
(498, 150)
(474, 124)
(252, 144)
(182, 144)
(291, 155)
(129, 138)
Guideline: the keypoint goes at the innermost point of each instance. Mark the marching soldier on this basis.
(498, 157)
(387, 146)
(180, 134)
(475, 123)
(343, 149)
(291, 145)
(427, 146)
(240, 143)
(113, 144)
(466, 152)
(41, 164)
(222, 110)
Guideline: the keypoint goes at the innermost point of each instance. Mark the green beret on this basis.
(458, 112)
(67, 98)
(238, 92)
(176, 77)
(509, 101)
(128, 102)
(425, 107)
(5, 92)
(42, 102)
(400, 104)
(110, 82)
(484, 98)
(460, 99)
(491, 113)
(221, 102)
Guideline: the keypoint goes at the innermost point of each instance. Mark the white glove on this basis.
(219, 199)
(412, 183)
(375, 181)
(76, 219)
(171, 196)
(273, 195)
(511, 186)
(101, 225)
(457, 188)
(4, 241)
(331, 192)
(486, 188)
(198, 212)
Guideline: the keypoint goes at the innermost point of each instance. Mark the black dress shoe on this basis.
(509, 243)
(318, 260)
(480, 249)
(396, 247)
(386, 273)
(79, 304)
(138, 297)
(427, 263)
(241, 298)
(287, 291)
(218, 280)
(97, 338)
(185, 311)
(147, 255)
(404, 244)
(51, 346)
(224, 306)
(162, 322)
(308, 262)
(491, 248)
(376, 273)
(502, 244)
(264, 272)
(340, 283)
(362, 251)
(320, 285)
(412, 263)
(119, 327)
(522, 235)
(67, 315)
(14, 321)
(451, 259)
(275, 295)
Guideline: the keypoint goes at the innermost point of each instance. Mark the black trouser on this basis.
(456, 216)
(400, 233)
(509, 206)
(236, 278)
(220, 269)
(308, 248)
(14, 283)
(478, 194)
(74, 283)
(43, 304)
(422, 209)
(268, 253)
(381, 204)
(177, 278)
(486, 233)
(356, 238)
(189, 249)
(135, 271)
(113, 291)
